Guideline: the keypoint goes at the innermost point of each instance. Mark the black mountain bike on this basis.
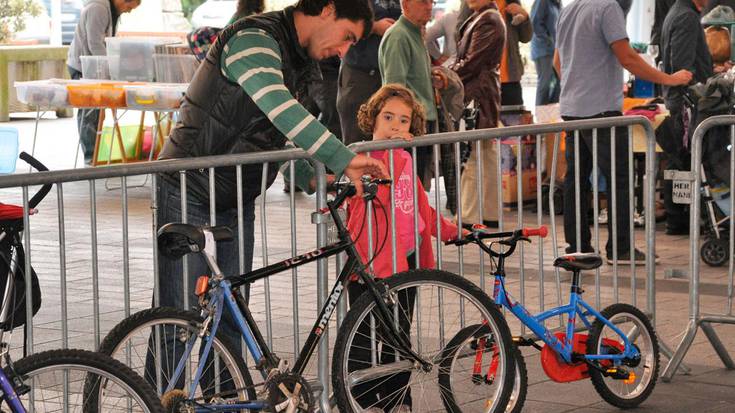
(389, 350)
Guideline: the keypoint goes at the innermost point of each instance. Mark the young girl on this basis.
(392, 113)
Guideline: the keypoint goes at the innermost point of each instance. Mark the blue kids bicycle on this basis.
(620, 353)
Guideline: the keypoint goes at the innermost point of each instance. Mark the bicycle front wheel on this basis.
(57, 380)
(152, 342)
(429, 308)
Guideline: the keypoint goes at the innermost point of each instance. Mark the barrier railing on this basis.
(104, 271)
(701, 196)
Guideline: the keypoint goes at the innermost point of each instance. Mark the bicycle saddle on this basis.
(578, 262)
(176, 239)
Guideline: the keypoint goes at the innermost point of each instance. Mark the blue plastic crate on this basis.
(643, 89)
(8, 149)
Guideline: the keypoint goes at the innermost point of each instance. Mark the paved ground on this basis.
(710, 388)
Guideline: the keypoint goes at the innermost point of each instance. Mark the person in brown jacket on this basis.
(479, 53)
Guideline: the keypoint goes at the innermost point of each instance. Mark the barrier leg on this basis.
(717, 344)
(678, 356)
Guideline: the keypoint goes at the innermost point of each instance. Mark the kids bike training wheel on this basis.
(55, 381)
(473, 345)
(643, 373)
(428, 308)
(152, 342)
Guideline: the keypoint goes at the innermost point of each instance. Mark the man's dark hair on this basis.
(249, 7)
(353, 10)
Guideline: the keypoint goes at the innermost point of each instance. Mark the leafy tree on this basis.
(12, 13)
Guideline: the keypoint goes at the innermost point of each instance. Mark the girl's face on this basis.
(393, 121)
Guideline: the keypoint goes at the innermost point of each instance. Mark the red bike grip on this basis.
(531, 232)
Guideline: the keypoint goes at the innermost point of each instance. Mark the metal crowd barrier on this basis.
(700, 193)
(468, 263)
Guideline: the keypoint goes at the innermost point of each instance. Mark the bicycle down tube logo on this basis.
(301, 258)
(331, 305)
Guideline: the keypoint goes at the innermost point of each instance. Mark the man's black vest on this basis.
(217, 117)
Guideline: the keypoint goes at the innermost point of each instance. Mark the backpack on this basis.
(11, 241)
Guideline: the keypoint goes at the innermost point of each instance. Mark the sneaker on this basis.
(639, 221)
(624, 258)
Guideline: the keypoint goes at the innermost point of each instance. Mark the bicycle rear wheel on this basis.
(644, 372)
(57, 381)
(432, 307)
(152, 343)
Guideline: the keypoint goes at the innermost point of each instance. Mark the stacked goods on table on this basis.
(101, 94)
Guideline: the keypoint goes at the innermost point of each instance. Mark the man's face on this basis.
(333, 37)
(418, 11)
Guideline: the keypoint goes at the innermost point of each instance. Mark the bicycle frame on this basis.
(577, 307)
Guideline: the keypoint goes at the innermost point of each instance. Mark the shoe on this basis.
(624, 258)
(639, 221)
(570, 250)
(490, 224)
(602, 217)
(677, 229)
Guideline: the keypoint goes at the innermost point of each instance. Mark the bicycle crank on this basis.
(290, 393)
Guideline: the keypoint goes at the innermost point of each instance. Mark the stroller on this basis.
(12, 258)
(716, 97)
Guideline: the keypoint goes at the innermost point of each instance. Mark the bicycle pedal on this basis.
(619, 374)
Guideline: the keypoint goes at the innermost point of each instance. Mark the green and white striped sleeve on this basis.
(252, 59)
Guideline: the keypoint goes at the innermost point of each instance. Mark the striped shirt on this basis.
(252, 59)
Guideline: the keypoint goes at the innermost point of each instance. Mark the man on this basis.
(98, 20)
(683, 46)
(403, 59)
(244, 99)
(593, 49)
(544, 15)
(359, 75)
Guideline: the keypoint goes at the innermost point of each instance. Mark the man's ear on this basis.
(328, 10)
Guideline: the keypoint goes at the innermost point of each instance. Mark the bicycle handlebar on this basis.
(533, 232)
(41, 194)
(511, 238)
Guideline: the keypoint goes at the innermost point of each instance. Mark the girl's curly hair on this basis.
(369, 110)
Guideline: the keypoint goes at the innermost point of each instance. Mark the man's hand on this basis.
(680, 78)
(380, 26)
(518, 12)
(364, 165)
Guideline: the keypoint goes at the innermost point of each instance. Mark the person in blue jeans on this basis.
(544, 16)
(247, 97)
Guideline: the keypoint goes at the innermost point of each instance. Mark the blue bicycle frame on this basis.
(577, 307)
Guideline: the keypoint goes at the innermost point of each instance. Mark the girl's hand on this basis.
(406, 136)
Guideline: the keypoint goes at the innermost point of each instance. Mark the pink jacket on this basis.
(383, 265)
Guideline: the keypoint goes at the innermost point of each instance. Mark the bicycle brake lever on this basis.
(524, 239)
